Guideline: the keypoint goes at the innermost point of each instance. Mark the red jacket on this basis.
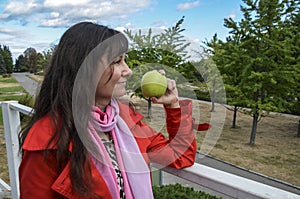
(41, 180)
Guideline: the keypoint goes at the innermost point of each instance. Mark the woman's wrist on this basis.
(173, 105)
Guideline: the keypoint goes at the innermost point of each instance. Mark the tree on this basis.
(298, 133)
(47, 57)
(7, 58)
(2, 67)
(166, 50)
(39, 62)
(172, 40)
(21, 64)
(261, 52)
(229, 60)
(213, 80)
(31, 59)
(295, 23)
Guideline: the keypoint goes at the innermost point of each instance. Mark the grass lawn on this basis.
(276, 152)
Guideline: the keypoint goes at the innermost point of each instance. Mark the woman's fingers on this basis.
(171, 95)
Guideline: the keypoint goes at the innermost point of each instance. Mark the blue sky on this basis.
(39, 23)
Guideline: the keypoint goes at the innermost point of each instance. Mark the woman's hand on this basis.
(170, 98)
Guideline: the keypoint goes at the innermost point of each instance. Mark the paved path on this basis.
(28, 84)
(32, 87)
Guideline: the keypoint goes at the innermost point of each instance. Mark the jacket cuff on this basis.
(185, 107)
(179, 119)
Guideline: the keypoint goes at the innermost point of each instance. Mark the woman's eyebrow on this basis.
(121, 56)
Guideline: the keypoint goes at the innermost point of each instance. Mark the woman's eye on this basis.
(118, 61)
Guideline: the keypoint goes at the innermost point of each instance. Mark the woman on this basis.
(82, 142)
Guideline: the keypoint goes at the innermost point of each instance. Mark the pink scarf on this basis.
(135, 171)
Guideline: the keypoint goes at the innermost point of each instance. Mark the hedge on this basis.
(177, 191)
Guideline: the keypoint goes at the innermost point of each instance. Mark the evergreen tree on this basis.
(17, 65)
(2, 67)
(166, 50)
(295, 24)
(7, 59)
(229, 61)
(213, 80)
(259, 49)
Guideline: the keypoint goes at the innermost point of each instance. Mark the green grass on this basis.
(7, 93)
(7, 98)
(10, 97)
(12, 89)
(8, 80)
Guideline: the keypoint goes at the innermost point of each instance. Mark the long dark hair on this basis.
(56, 96)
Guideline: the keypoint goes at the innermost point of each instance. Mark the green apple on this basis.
(153, 84)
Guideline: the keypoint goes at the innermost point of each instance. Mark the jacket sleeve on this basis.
(179, 149)
(36, 176)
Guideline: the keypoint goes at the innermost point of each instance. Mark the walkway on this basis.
(28, 84)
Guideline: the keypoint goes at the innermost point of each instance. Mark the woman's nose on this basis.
(126, 71)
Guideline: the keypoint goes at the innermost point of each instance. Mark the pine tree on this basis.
(2, 67)
(258, 57)
(166, 50)
(229, 61)
(7, 59)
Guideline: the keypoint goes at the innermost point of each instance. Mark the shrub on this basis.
(6, 75)
(26, 100)
(175, 191)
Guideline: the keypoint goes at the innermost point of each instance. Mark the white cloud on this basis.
(54, 22)
(232, 15)
(21, 8)
(62, 13)
(189, 5)
(5, 31)
(54, 14)
(126, 26)
(19, 39)
(11, 32)
(159, 23)
(58, 3)
(57, 13)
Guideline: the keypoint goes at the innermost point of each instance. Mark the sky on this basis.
(40, 23)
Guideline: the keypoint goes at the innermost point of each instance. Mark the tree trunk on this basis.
(213, 92)
(253, 131)
(234, 116)
(298, 135)
(212, 106)
(149, 108)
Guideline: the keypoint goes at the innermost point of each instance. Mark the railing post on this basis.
(156, 177)
(12, 126)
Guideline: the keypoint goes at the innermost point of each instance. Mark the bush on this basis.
(6, 75)
(26, 100)
(176, 191)
(202, 95)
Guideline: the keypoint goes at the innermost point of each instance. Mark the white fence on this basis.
(225, 184)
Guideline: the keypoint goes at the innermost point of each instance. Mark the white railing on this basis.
(12, 126)
(225, 184)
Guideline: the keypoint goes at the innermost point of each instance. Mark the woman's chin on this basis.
(119, 94)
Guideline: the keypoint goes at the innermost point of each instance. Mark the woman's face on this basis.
(112, 83)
